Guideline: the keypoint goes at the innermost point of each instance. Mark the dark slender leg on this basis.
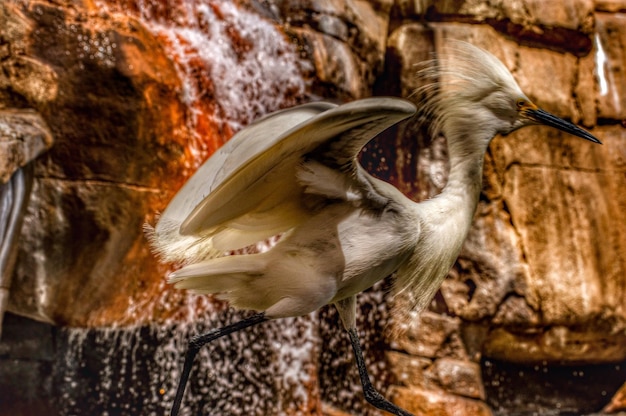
(200, 340)
(371, 394)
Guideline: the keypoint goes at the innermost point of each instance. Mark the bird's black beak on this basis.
(543, 117)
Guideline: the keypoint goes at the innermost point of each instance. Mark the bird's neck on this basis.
(445, 223)
(462, 190)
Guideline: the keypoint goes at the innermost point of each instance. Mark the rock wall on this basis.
(537, 285)
(137, 94)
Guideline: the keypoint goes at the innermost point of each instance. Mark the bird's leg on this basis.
(371, 394)
(198, 342)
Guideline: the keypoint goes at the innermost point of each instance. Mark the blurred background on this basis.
(108, 106)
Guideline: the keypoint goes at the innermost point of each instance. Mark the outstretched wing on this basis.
(256, 194)
(243, 147)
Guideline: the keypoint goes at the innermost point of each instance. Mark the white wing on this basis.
(249, 190)
(244, 146)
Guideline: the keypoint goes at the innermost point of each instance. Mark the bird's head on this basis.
(469, 88)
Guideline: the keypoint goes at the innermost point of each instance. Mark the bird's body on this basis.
(342, 233)
(327, 213)
(296, 174)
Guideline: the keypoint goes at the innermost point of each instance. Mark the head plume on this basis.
(460, 74)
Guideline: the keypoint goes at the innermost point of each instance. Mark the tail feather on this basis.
(172, 247)
(211, 284)
(223, 274)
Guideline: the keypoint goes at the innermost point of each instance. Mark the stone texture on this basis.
(572, 279)
(611, 40)
(426, 335)
(33, 79)
(564, 25)
(580, 278)
(535, 75)
(85, 215)
(496, 275)
(585, 91)
(409, 45)
(612, 6)
(541, 262)
(556, 345)
(437, 403)
(130, 130)
(345, 40)
(570, 14)
(334, 63)
(459, 377)
(24, 135)
(483, 36)
(409, 370)
(483, 278)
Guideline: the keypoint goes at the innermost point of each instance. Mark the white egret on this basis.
(295, 173)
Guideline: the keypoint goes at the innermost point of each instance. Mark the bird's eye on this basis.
(520, 103)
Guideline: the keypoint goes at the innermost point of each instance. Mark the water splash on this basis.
(234, 64)
(135, 370)
(339, 378)
(98, 46)
(276, 368)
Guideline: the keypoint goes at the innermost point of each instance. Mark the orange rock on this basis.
(609, 55)
(436, 403)
(134, 110)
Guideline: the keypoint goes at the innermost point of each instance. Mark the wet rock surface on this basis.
(23, 137)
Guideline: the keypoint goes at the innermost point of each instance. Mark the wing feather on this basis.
(252, 188)
(244, 146)
(250, 184)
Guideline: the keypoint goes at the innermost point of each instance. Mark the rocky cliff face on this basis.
(138, 94)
